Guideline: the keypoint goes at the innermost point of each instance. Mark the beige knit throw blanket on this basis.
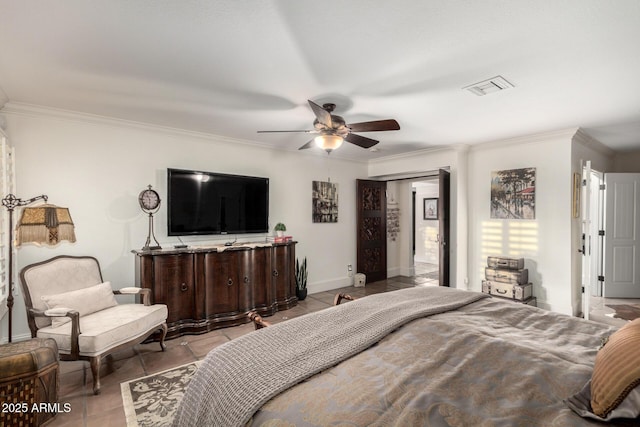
(237, 378)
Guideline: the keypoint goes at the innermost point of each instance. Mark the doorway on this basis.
(425, 232)
(609, 216)
(387, 212)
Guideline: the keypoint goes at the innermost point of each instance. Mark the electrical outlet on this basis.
(349, 270)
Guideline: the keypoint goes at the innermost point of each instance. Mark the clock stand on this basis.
(147, 246)
(149, 200)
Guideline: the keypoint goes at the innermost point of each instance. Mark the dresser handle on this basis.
(184, 287)
(229, 281)
(246, 279)
(501, 292)
(275, 273)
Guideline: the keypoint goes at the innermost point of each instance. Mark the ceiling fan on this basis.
(332, 130)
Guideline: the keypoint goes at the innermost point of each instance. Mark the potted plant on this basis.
(280, 229)
(301, 279)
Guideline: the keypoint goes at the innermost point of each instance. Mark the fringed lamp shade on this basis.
(45, 224)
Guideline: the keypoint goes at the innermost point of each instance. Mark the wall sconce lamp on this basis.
(44, 224)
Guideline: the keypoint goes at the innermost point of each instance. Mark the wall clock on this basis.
(149, 200)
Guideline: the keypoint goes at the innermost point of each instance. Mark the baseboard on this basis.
(407, 271)
(16, 338)
(395, 271)
(329, 285)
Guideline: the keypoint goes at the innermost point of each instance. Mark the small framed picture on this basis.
(576, 195)
(430, 208)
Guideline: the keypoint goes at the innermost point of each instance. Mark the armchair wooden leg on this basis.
(163, 346)
(95, 370)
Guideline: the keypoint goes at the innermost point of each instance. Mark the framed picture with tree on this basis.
(513, 194)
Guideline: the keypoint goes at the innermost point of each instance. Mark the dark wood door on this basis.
(372, 229)
(283, 259)
(444, 217)
(222, 281)
(260, 291)
(174, 285)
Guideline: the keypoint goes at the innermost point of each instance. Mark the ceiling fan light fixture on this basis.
(328, 142)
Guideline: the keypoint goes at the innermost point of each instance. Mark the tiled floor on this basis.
(106, 409)
(76, 383)
(599, 311)
(426, 274)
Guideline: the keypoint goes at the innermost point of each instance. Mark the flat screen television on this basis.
(201, 203)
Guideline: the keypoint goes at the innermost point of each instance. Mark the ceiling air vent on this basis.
(494, 84)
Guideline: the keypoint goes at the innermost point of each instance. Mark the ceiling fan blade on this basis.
(322, 115)
(281, 131)
(374, 126)
(360, 141)
(307, 145)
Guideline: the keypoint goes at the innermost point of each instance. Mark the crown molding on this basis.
(526, 139)
(566, 134)
(433, 150)
(583, 138)
(38, 111)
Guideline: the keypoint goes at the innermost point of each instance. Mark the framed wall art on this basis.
(576, 195)
(430, 208)
(324, 201)
(513, 194)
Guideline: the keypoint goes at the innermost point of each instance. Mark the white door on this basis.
(622, 236)
(584, 187)
(597, 224)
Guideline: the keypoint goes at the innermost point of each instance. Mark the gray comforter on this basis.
(237, 378)
(487, 363)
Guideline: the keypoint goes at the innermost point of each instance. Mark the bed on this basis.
(428, 356)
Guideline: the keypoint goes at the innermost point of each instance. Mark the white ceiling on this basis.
(233, 67)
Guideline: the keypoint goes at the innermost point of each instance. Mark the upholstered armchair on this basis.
(67, 300)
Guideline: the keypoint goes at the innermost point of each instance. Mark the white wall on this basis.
(627, 162)
(544, 242)
(394, 198)
(400, 250)
(97, 168)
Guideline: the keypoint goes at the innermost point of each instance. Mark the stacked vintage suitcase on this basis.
(507, 278)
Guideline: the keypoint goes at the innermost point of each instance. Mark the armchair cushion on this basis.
(108, 328)
(84, 301)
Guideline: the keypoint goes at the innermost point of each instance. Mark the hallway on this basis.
(426, 274)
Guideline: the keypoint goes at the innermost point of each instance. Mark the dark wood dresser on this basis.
(206, 288)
